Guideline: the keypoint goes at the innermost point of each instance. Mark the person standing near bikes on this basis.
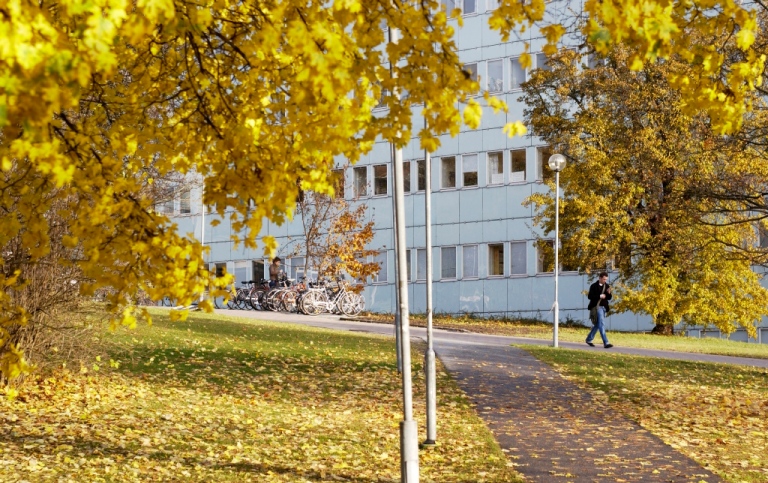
(274, 272)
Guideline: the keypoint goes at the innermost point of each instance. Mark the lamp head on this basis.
(556, 162)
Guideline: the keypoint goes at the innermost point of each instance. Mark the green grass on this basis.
(230, 399)
(573, 333)
(716, 414)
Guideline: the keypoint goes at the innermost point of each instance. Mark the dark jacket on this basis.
(594, 295)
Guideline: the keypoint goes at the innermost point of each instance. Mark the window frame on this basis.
(442, 264)
(384, 264)
(465, 13)
(512, 244)
(377, 179)
(489, 181)
(543, 172)
(407, 177)
(423, 253)
(503, 262)
(540, 268)
(512, 86)
(421, 175)
(512, 165)
(476, 275)
(443, 160)
(476, 171)
(355, 182)
(488, 76)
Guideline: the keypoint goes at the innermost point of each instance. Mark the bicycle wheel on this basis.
(288, 301)
(255, 299)
(314, 303)
(351, 304)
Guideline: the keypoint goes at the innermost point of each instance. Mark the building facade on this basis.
(486, 259)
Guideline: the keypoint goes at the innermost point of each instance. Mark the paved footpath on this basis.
(552, 430)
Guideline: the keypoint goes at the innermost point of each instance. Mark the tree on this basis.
(335, 236)
(640, 187)
(98, 96)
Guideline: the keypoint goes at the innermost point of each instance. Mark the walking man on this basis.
(599, 295)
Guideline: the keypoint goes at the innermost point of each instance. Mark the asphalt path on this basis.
(551, 429)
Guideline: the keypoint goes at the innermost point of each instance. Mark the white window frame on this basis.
(407, 178)
(488, 76)
(542, 164)
(513, 177)
(421, 254)
(503, 261)
(512, 272)
(442, 263)
(476, 171)
(443, 160)
(541, 61)
(540, 261)
(375, 179)
(500, 176)
(382, 259)
(355, 185)
(512, 86)
(408, 265)
(421, 164)
(464, 12)
(476, 275)
(475, 69)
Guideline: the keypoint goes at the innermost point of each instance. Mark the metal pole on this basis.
(202, 227)
(429, 355)
(557, 261)
(398, 342)
(409, 442)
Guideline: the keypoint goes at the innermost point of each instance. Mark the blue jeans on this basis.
(599, 326)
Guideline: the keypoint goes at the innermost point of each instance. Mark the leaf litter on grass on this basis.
(219, 399)
(716, 414)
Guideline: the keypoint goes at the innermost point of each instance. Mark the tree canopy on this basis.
(98, 99)
(646, 190)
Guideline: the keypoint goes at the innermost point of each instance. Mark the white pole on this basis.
(202, 227)
(429, 356)
(398, 342)
(409, 442)
(557, 261)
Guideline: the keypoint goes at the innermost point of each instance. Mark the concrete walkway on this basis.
(552, 430)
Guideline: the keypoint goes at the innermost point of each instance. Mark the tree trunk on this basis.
(664, 324)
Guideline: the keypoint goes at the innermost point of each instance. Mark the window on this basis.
(338, 183)
(381, 259)
(380, 180)
(421, 175)
(469, 169)
(542, 62)
(296, 267)
(518, 256)
(496, 260)
(518, 165)
(447, 262)
(407, 176)
(361, 181)
(516, 73)
(408, 265)
(448, 172)
(543, 153)
(495, 76)
(469, 259)
(167, 206)
(546, 256)
(469, 6)
(184, 204)
(221, 269)
(258, 272)
(449, 5)
(762, 235)
(496, 168)
(421, 264)
(471, 69)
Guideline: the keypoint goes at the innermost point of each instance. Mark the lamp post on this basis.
(556, 163)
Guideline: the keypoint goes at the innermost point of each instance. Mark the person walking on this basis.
(599, 295)
(274, 272)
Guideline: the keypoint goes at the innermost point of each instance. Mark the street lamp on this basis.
(556, 163)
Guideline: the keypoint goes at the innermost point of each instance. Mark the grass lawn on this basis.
(230, 399)
(542, 330)
(716, 414)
